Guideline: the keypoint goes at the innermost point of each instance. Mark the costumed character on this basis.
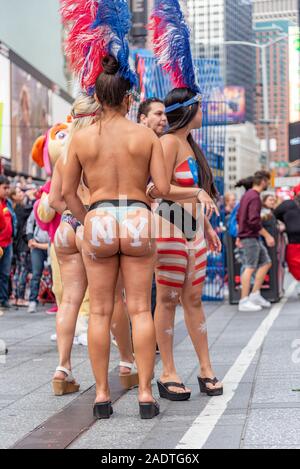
(46, 151)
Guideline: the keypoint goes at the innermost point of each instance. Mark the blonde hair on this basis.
(84, 104)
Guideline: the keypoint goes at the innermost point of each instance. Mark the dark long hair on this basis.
(181, 118)
(247, 183)
(111, 87)
(297, 200)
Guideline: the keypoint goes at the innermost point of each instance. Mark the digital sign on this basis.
(294, 141)
(5, 125)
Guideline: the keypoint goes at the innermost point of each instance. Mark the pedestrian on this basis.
(289, 213)
(38, 243)
(255, 257)
(9, 227)
(152, 114)
(21, 250)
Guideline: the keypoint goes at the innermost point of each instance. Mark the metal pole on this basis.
(266, 101)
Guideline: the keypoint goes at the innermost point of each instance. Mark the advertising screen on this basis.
(294, 141)
(30, 117)
(294, 73)
(235, 99)
(5, 129)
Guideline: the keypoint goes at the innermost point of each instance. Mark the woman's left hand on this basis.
(213, 241)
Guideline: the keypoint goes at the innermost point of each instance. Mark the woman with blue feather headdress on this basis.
(185, 214)
(117, 158)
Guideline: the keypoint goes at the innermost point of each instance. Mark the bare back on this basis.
(115, 157)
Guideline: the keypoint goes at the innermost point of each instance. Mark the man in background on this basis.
(255, 256)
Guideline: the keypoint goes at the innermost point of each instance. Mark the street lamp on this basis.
(263, 47)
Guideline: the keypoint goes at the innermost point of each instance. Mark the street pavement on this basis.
(257, 355)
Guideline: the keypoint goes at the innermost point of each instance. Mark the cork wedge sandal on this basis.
(67, 386)
(129, 380)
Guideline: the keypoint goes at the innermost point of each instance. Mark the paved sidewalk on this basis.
(264, 412)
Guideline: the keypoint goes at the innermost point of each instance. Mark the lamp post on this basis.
(263, 48)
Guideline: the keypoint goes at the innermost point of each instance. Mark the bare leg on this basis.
(72, 269)
(138, 294)
(121, 328)
(74, 284)
(102, 277)
(260, 277)
(164, 318)
(246, 282)
(197, 327)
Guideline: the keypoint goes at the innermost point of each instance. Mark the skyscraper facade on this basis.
(214, 22)
(265, 10)
(278, 87)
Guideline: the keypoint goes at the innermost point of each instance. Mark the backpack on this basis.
(233, 227)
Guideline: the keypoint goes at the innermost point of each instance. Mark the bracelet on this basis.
(150, 188)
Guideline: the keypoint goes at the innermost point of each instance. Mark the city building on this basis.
(265, 10)
(214, 22)
(278, 88)
(242, 155)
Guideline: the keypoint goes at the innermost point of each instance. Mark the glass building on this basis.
(215, 22)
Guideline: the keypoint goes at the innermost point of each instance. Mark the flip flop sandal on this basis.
(203, 382)
(165, 392)
(67, 386)
(129, 380)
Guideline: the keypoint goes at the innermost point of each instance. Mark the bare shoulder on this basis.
(170, 140)
(142, 130)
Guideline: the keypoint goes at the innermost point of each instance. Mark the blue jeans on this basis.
(38, 259)
(5, 268)
(23, 267)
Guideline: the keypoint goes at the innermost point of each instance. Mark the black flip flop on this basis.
(165, 392)
(203, 382)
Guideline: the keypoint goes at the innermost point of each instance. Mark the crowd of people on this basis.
(255, 223)
(24, 245)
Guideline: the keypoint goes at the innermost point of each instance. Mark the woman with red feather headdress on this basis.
(117, 158)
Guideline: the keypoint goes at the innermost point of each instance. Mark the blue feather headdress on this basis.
(98, 28)
(171, 41)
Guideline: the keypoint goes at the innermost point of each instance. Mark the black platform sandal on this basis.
(103, 410)
(149, 410)
(165, 393)
(203, 382)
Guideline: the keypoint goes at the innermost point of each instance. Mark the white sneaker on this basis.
(53, 338)
(259, 300)
(32, 308)
(83, 339)
(246, 305)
